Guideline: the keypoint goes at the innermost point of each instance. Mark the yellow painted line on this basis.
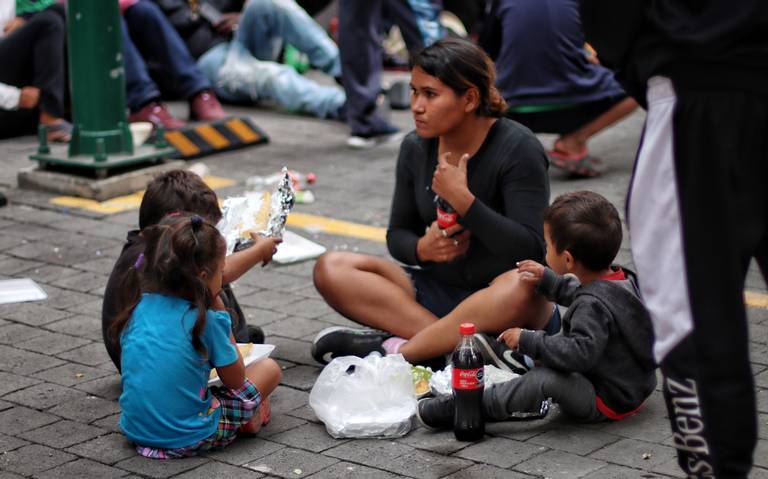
(212, 136)
(181, 143)
(127, 202)
(756, 300)
(336, 227)
(242, 130)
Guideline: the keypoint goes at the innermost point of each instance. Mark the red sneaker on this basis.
(205, 107)
(156, 113)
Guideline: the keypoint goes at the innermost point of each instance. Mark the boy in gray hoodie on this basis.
(600, 366)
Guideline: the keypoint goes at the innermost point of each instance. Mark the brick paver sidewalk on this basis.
(58, 390)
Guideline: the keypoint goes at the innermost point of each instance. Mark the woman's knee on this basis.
(329, 267)
(508, 288)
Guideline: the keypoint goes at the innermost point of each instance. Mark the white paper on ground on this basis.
(258, 352)
(296, 248)
(20, 290)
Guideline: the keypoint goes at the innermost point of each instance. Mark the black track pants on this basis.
(698, 213)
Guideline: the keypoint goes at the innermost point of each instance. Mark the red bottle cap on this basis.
(467, 329)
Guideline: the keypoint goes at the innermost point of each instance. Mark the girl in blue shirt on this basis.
(171, 333)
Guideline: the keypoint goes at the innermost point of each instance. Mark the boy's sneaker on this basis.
(436, 412)
(500, 355)
(340, 341)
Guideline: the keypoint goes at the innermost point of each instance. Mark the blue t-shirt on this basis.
(165, 401)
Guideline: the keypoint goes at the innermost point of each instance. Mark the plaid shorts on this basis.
(237, 408)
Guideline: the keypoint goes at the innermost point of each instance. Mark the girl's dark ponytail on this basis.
(127, 298)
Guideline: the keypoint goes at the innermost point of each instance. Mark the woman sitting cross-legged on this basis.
(493, 173)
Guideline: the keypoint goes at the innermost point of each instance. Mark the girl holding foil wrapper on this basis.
(493, 173)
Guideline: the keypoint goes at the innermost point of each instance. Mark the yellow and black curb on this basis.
(214, 137)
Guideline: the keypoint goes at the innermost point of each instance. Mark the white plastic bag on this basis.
(365, 397)
(440, 382)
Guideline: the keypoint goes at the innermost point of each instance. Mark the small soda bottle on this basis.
(446, 215)
(468, 382)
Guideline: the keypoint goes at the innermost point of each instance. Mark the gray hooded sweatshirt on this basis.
(606, 336)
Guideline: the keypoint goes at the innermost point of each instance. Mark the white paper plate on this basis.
(20, 290)
(296, 248)
(258, 352)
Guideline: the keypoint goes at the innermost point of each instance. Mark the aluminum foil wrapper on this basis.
(282, 202)
(262, 212)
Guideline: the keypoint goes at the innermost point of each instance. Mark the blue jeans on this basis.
(148, 37)
(427, 15)
(245, 69)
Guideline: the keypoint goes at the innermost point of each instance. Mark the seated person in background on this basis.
(493, 173)
(548, 80)
(601, 366)
(173, 191)
(237, 52)
(32, 69)
(156, 60)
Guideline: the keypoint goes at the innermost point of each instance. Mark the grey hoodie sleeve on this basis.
(560, 289)
(581, 348)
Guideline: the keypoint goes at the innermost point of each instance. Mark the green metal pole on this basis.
(97, 80)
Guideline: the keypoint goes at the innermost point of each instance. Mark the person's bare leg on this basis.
(371, 291)
(576, 141)
(506, 303)
(265, 375)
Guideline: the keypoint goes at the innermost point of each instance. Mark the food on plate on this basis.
(421, 376)
(245, 351)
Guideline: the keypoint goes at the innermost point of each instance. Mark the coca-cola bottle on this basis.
(468, 382)
(446, 215)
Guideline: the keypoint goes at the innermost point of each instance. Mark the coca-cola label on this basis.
(445, 220)
(468, 378)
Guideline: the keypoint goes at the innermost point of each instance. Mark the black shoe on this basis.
(3, 200)
(340, 341)
(255, 334)
(436, 412)
(500, 355)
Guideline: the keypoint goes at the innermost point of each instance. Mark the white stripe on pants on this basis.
(654, 222)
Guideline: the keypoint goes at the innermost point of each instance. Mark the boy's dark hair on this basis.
(178, 190)
(177, 251)
(587, 225)
(461, 65)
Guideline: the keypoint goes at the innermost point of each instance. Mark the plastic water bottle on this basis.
(468, 381)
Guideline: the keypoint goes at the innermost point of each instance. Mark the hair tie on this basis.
(197, 222)
(172, 214)
(139, 261)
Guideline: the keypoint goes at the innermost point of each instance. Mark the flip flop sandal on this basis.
(60, 132)
(585, 167)
(564, 156)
